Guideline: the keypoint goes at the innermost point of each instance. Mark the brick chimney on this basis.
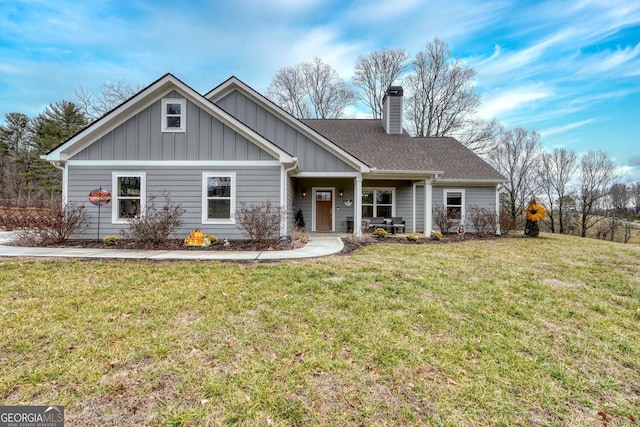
(392, 110)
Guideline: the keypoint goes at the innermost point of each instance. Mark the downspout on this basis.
(285, 180)
(56, 165)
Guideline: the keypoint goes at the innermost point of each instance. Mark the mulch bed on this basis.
(350, 243)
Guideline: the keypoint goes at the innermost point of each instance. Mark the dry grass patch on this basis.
(502, 332)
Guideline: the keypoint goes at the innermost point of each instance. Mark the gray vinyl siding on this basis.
(311, 156)
(141, 138)
(253, 185)
(483, 197)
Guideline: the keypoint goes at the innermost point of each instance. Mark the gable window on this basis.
(378, 202)
(218, 197)
(454, 202)
(174, 112)
(129, 195)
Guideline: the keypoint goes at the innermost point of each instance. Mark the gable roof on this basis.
(367, 140)
(143, 99)
(234, 83)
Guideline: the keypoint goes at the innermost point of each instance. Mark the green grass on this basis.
(500, 332)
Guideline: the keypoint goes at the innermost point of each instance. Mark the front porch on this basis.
(339, 204)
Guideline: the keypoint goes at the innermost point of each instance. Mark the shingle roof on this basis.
(367, 140)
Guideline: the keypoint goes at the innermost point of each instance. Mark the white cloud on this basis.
(506, 101)
(565, 128)
(622, 61)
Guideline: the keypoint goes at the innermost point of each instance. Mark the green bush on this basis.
(436, 235)
(412, 237)
(110, 240)
(380, 232)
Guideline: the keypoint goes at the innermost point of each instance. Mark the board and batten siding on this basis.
(311, 156)
(254, 184)
(141, 138)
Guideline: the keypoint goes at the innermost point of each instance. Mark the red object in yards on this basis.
(100, 197)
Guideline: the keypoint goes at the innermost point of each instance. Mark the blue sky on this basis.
(569, 70)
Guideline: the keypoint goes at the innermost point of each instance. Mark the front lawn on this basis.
(498, 332)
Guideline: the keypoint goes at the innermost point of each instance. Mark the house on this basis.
(213, 152)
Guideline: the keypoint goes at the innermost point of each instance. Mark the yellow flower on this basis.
(535, 211)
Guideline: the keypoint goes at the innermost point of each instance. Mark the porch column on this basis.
(414, 218)
(357, 214)
(498, 232)
(428, 196)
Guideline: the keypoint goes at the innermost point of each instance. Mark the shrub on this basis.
(299, 220)
(155, 224)
(483, 220)
(507, 223)
(56, 224)
(260, 221)
(436, 235)
(213, 239)
(110, 240)
(442, 219)
(412, 237)
(380, 232)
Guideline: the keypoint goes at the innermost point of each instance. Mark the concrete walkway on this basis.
(317, 246)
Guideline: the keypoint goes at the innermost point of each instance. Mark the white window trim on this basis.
(393, 198)
(183, 114)
(462, 208)
(115, 219)
(205, 205)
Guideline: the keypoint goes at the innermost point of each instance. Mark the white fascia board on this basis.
(143, 100)
(234, 83)
(327, 175)
(179, 163)
(400, 174)
(467, 182)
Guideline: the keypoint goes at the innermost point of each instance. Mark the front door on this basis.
(324, 209)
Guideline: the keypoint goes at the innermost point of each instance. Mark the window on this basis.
(129, 195)
(454, 202)
(377, 202)
(218, 198)
(174, 112)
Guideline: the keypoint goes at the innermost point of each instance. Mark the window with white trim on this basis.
(218, 197)
(378, 202)
(174, 115)
(129, 195)
(454, 202)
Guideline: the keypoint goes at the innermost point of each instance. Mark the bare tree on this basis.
(311, 90)
(619, 195)
(375, 72)
(557, 169)
(516, 157)
(635, 195)
(479, 135)
(598, 172)
(287, 89)
(441, 92)
(442, 99)
(113, 94)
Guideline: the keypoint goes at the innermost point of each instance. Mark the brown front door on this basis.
(324, 206)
